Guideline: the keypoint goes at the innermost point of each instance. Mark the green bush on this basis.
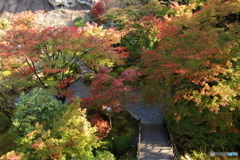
(5, 123)
(106, 144)
(38, 105)
(7, 143)
(104, 155)
(6, 139)
(122, 144)
(123, 125)
(113, 74)
(120, 70)
(79, 22)
(4, 24)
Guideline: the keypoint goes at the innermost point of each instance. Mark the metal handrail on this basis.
(139, 138)
(176, 155)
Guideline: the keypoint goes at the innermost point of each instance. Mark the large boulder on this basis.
(16, 6)
(56, 12)
(62, 3)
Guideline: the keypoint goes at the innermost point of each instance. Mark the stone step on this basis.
(153, 134)
(153, 138)
(155, 157)
(157, 129)
(151, 125)
(154, 146)
(147, 144)
(158, 151)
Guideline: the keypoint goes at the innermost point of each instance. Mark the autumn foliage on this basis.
(195, 70)
(102, 125)
(49, 56)
(108, 91)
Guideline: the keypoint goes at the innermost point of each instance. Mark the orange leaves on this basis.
(122, 51)
(102, 125)
(177, 117)
(234, 130)
(53, 70)
(23, 20)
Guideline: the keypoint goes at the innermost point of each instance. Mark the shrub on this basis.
(88, 78)
(5, 122)
(113, 74)
(71, 136)
(7, 143)
(104, 155)
(120, 70)
(79, 22)
(36, 106)
(122, 144)
(4, 24)
(106, 144)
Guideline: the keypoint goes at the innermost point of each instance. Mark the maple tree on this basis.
(49, 57)
(139, 24)
(133, 13)
(141, 35)
(194, 68)
(102, 125)
(110, 91)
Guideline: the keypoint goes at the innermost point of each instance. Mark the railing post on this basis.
(176, 155)
(139, 138)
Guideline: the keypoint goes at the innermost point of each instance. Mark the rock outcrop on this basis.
(61, 17)
(58, 4)
(52, 15)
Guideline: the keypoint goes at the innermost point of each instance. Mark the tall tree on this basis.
(195, 68)
(49, 57)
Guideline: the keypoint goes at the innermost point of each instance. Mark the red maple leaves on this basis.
(109, 91)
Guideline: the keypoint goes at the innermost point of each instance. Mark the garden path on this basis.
(153, 142)
(148, 113)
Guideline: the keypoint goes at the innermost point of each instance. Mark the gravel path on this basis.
(149, 114)
(79, 87)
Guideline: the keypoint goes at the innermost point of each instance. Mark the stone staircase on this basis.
(154, 144)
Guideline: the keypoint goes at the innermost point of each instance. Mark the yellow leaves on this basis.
(229, 64)
(183, 10)
(5, 73)
(206, 87)
(105, 62)
(24, 20)
(94, 30)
